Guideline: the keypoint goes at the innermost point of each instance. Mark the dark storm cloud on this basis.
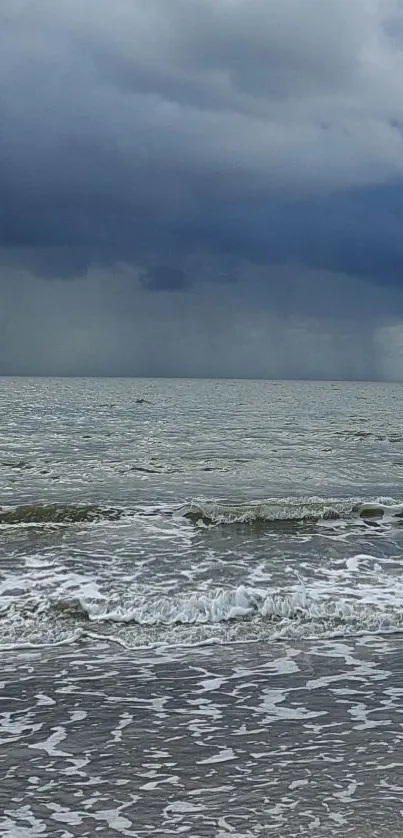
(138, 131)
(222, 179)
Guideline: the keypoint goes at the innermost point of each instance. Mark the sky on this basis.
(201, 188)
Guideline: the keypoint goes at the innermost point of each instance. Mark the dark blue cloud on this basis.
(145, 133)
(355, 232)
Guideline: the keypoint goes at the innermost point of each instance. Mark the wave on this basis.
(41, 514)
(288, 610)
(227, 615)
(280, 512)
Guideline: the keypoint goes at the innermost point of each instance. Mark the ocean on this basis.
(201, 608)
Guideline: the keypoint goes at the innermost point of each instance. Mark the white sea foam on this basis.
(49, 600)
(334, 612)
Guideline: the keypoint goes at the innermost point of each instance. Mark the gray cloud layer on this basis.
(206, 150)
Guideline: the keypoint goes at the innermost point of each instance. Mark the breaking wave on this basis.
(287, 511)
(283, 513)
(288, 610)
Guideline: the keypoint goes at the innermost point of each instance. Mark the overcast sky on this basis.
(201, 187)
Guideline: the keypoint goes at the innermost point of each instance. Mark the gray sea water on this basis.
(201, 608)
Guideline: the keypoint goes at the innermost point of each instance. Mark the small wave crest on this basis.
(289, 512)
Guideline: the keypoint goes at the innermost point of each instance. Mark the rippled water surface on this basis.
(143, 517)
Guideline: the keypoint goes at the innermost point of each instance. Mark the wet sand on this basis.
(240, 741)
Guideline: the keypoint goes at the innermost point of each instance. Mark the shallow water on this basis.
(265, 518)
(284, 739)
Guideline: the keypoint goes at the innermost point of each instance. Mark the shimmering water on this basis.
(141, 520)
